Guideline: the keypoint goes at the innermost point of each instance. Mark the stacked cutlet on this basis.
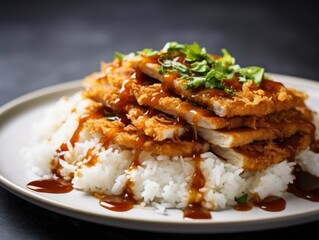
(186, 102)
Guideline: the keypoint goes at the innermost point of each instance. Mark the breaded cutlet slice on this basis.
(270, 97)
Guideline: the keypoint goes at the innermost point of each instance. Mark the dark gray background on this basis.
(48, 42)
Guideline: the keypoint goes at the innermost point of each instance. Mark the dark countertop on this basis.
(43, 43)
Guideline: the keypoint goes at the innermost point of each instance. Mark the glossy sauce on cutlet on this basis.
(291, 143)
(152, 59)
(168, 81)
(125, 96)
(270, 87)
(208, 93)
(156, 98)
(144, 79)
(234, 83)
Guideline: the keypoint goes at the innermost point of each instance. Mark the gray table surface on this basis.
(43, 43)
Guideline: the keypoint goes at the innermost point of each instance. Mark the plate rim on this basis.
(201, 226)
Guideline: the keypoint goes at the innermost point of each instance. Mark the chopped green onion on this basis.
(242, 200)
(147, 52)
(200, 68)
(118, 55)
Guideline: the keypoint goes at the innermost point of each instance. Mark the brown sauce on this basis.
(104, 141)
(118, 115)
(196, 113)
(243, 207)
(51, 186)
(145, 60)
(155, 99)
(209, 93)
(290, 143)
(233, 83)
(144, 79)
(198, 180)
(93, 158)
(125, 96)
(305, 186)
(194, 209)
(151, 112)
(99, 113)
(125, 201)
(139, 143)
(278, 129)
(270, 204)
(168, 81)
(314, 146)
(120, 203)
(270, 87)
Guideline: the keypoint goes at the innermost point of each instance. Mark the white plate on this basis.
(17, 116)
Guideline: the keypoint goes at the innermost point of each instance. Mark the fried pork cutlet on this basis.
(129, 138)
(242, 136)
(262, 154)
(248, 119)
(152, 123)
(154, 96)
(268, 98)
(276, 125)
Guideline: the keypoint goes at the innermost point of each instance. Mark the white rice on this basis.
(160, 181)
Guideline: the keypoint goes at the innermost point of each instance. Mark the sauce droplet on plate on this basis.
(272, 204)
(50, 186)
(120, 203)
(305, 186)
(196, 211)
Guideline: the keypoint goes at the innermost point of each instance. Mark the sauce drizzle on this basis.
(270, 204)
(51, 186)
(194, 209)
(119, 203)
(305, 186)
(125, 201)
